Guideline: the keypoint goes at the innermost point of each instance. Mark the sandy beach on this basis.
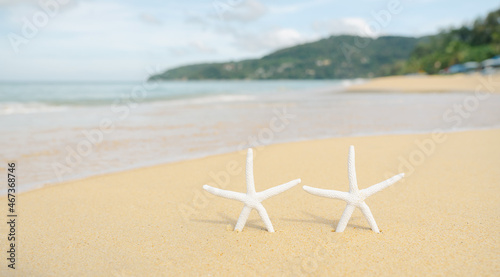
(442, 219)
(432, 83)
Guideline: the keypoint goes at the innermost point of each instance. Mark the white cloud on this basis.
(343, 26)
(268, 40)
(244, 38)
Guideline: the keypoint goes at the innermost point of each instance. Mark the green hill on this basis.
(472, 42)
(333, 57)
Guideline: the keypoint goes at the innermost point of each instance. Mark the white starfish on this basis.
(252, 199)
(355, 197)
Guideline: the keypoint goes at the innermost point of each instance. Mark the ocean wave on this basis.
(11, 108)
(225, 98)
(8, 108)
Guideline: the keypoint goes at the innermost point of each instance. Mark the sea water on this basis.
(60, 131)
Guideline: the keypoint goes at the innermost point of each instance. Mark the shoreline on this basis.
(45, 184)
(440, 219)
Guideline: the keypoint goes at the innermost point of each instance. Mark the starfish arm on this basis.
(346, 215)
(327, 193)
(369, 217)
(243, 218)
(351, 170)
(382, 185)
(263, 195)
(263, 214)
(249, 172)
(225, 193)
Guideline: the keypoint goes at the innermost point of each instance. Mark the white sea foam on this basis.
(8, 108)
(223, 99)
(226, 98)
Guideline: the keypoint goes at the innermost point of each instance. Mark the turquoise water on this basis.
(45, 97)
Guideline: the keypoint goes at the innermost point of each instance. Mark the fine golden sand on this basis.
(432, 83)
(442, 219)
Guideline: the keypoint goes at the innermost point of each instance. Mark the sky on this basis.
(112, 40)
